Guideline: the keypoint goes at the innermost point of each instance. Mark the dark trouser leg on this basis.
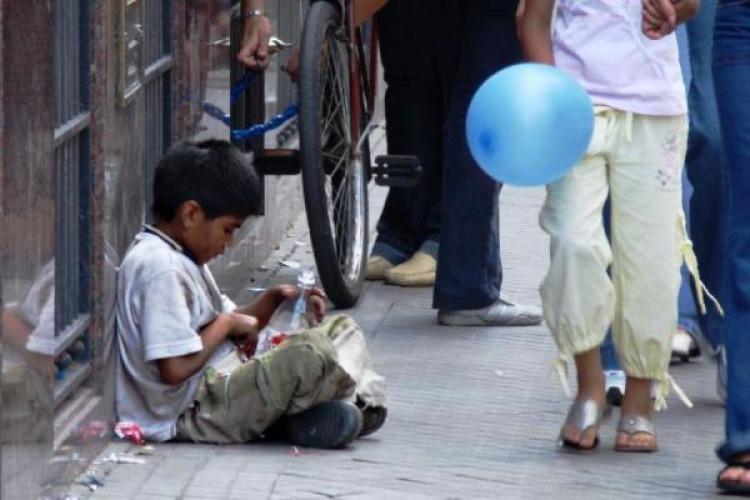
(414, 113)
(469, 271)
(732, 78)
(703, 167)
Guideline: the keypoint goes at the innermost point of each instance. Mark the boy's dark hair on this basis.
(213, 172)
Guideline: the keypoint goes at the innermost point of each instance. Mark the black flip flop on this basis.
(733, 487)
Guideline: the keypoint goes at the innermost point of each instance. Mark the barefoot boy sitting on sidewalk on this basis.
(175, 331)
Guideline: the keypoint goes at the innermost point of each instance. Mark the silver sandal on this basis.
(631, 424)
(582, 415)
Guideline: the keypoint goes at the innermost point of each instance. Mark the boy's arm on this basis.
(263, 307)
(535, 27)
(176, 370)
(15, 330)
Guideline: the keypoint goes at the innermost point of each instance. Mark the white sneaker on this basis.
(684, 346)
(500, 313)
(614, 386)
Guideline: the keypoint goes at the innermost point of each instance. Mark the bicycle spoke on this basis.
(329, 206)
(342, 223)
(341, 90)
(338, 196)
(341, 161)
(344, 236)
(330, 121)
(332, 103)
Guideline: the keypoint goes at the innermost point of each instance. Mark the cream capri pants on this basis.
(637, 161)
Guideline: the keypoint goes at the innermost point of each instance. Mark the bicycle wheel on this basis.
(334, 175)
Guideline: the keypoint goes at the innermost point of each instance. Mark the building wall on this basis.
(45, 443)
(27, 243)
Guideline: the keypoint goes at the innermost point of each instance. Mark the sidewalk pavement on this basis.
(473, 412)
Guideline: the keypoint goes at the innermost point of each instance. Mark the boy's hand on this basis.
(244, 332)
(317, 299)
(242, 328)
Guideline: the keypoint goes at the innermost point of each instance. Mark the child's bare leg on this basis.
(637, 401)
(590, 387)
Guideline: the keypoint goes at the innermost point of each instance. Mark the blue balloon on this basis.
(529, 124)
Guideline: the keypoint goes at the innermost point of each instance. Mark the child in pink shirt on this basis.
(625, 55)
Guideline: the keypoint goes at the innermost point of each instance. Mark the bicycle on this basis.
(337, 89)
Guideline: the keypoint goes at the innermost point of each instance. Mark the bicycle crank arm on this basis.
(397, 170)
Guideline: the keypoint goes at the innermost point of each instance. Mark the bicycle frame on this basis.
(360, 75)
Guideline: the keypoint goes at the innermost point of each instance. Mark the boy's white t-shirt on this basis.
(163, 301)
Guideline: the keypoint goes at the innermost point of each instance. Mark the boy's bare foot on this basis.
(635, 432)
(735, 478)
(581, 427)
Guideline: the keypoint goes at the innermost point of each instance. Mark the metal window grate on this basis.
(72, 193)
(157, 27)
(67, 60)
(158, 129)
(158, 93)
(71, 59)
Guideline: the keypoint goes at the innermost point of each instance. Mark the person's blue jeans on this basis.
(703, 166)
(731, 70)
(419, 51)
(469, 273)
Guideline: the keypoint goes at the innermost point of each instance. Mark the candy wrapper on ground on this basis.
(130, 431)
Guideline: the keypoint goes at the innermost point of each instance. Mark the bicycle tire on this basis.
(339, 236)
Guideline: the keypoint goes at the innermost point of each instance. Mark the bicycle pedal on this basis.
(278, 162)
(397, 170)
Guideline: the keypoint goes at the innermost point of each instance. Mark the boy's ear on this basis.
(191, 214)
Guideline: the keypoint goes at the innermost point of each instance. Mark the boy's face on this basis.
(207, 238)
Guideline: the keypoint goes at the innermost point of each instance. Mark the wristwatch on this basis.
(253, 13)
